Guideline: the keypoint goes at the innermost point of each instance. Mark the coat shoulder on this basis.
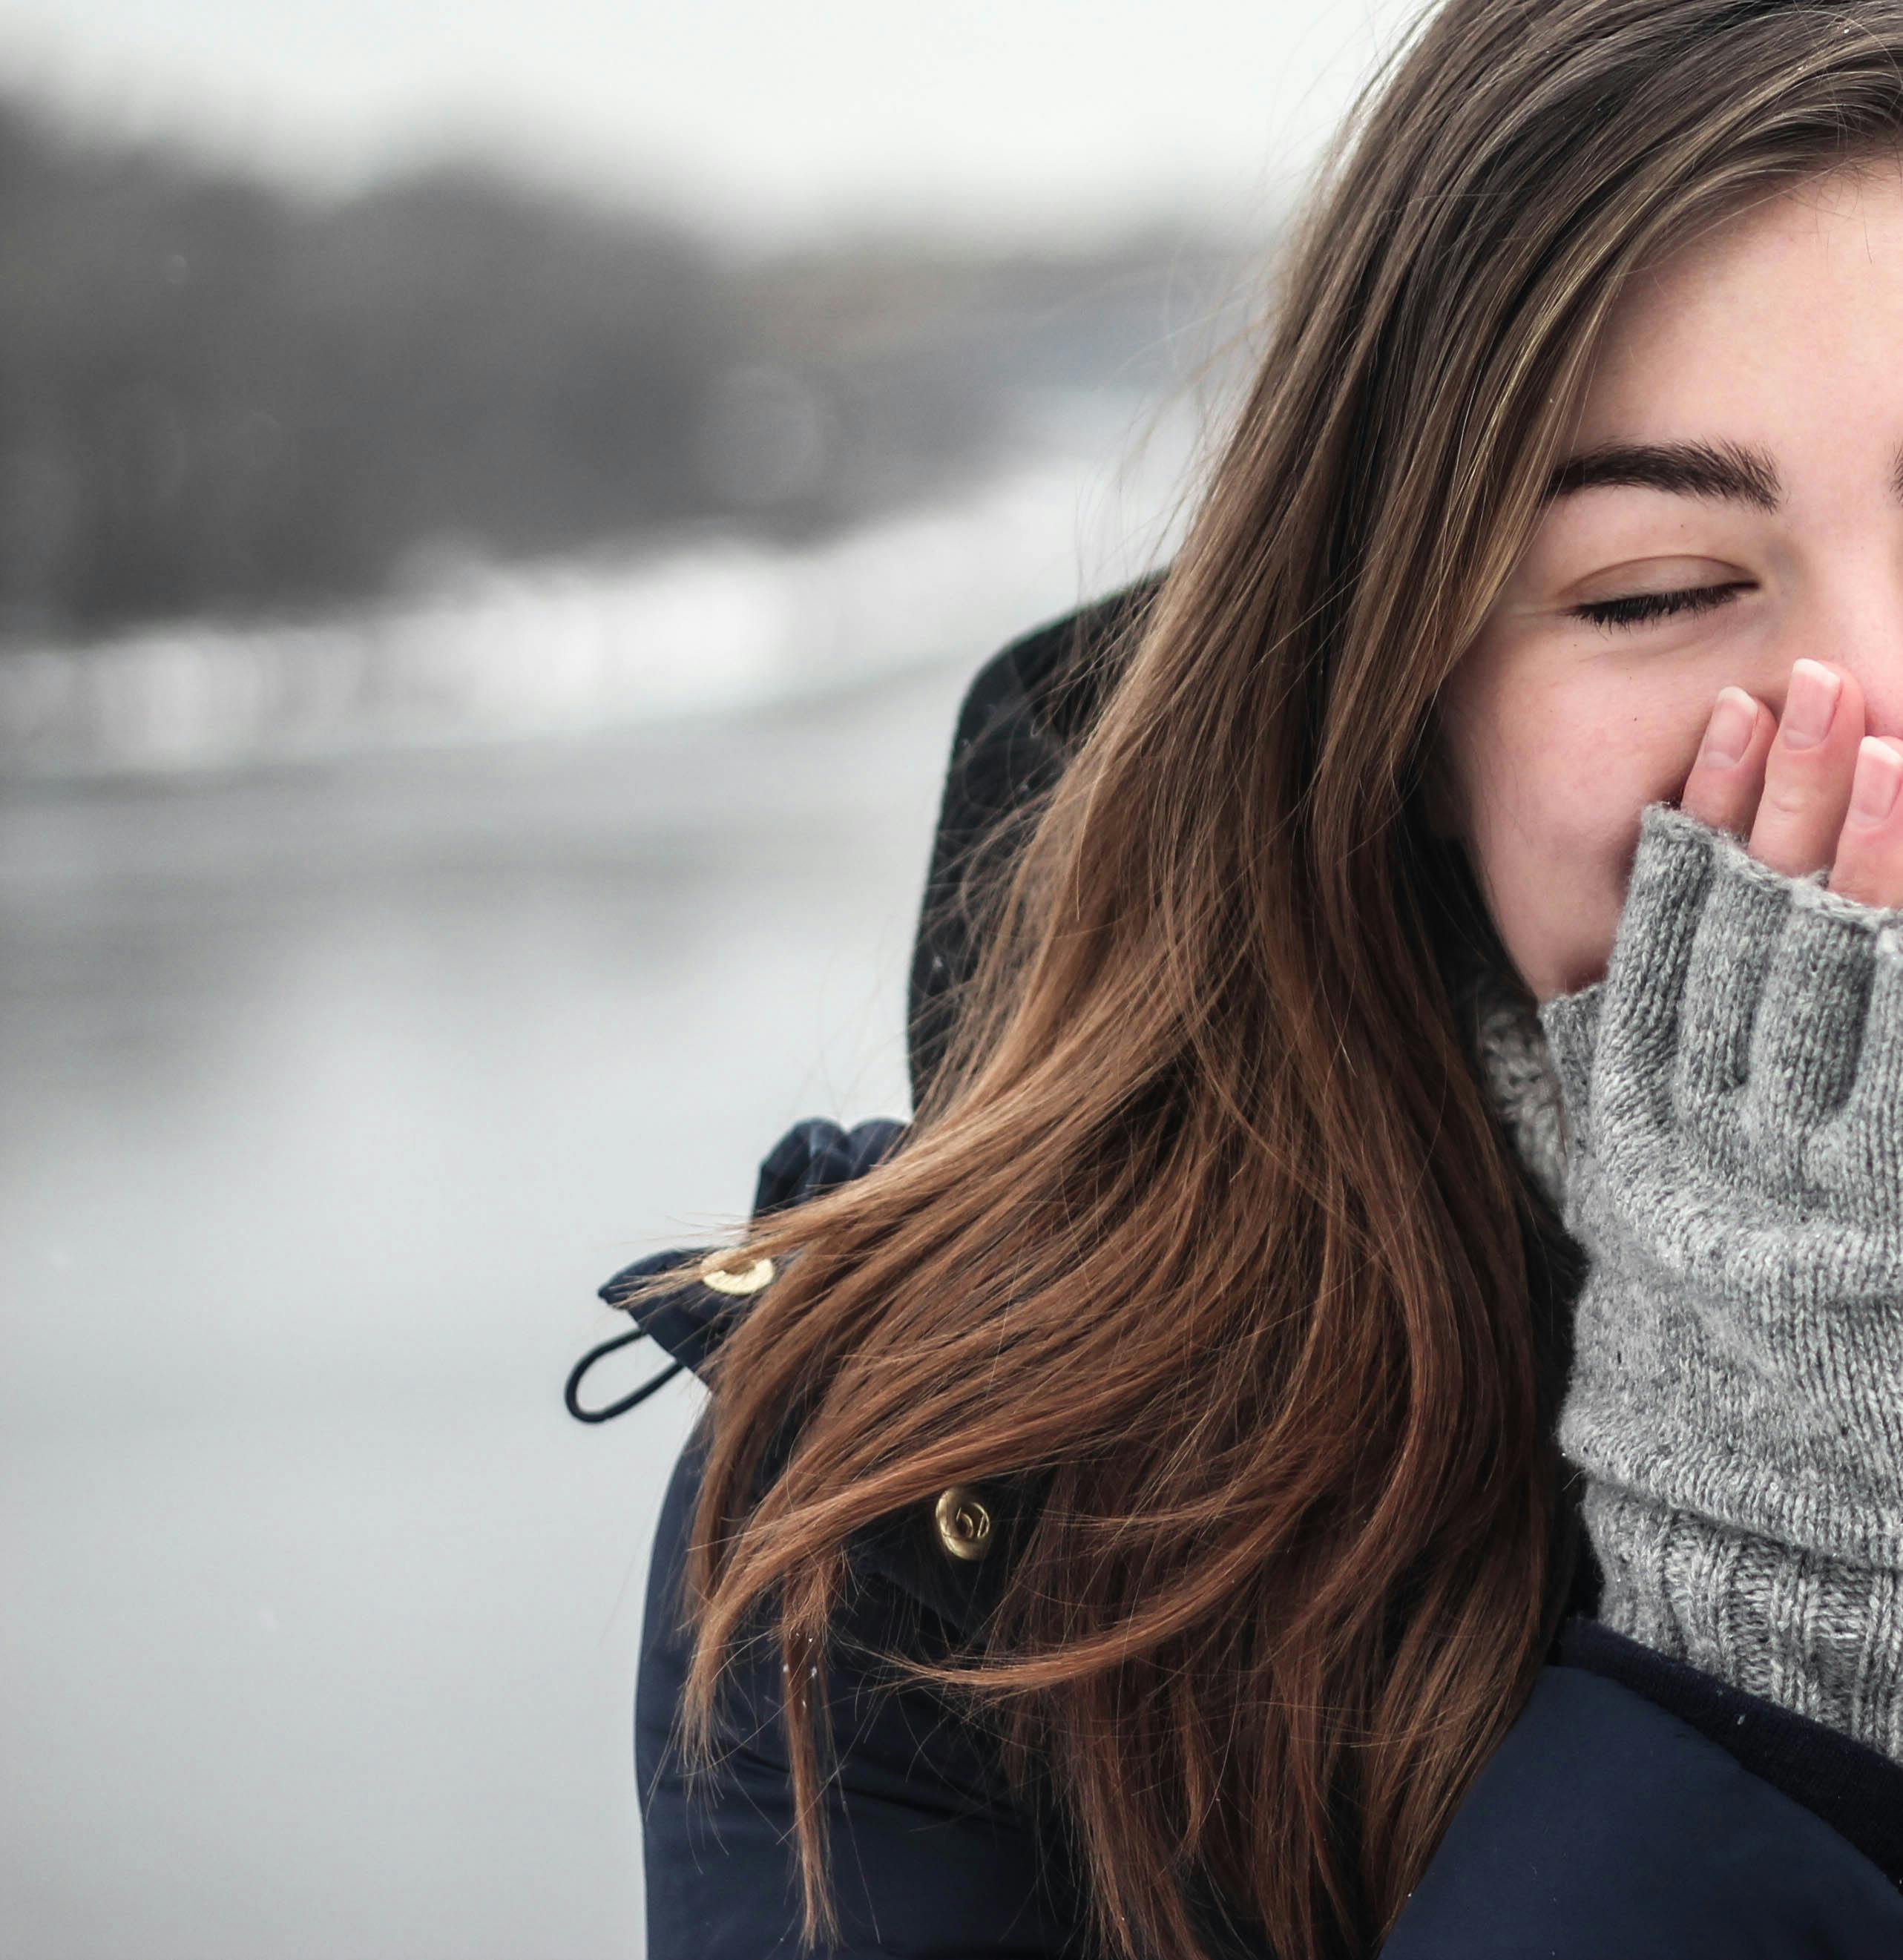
(950, 1555)
(1604, 1824)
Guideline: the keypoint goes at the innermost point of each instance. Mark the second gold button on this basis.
(964, 1523)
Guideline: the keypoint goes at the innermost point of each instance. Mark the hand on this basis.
(1807, 801)
(1732, 1096)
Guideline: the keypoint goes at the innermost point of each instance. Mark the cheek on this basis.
(1556, 782)
(1554, 888)
(1562, 756)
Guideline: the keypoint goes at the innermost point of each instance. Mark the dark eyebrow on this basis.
(1728, 471)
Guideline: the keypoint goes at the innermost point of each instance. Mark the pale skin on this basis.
(1775, 344)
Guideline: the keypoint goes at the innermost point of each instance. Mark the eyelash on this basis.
(1640, 609)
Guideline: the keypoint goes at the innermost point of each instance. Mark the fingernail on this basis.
(1879, 768)
(1810, 703)
(1728, 733)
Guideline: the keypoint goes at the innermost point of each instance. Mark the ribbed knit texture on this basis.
(1504, 1037)
(1730, 1154)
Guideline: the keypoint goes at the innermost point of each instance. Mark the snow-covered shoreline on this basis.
(706, 625)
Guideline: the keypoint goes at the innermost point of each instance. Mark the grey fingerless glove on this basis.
(1733, 1103)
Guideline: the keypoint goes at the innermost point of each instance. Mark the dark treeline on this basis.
(217, 398)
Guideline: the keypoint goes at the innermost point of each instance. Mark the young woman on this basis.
(1409, 1030)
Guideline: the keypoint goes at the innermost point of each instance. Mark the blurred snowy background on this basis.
(497, 511)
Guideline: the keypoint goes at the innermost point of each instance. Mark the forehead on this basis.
(1778, 323)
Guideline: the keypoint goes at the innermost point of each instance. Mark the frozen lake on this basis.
(331, 1093)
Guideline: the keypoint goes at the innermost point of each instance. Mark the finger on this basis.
(1869, 866)
(1652, 947)
(1807, 1033)
(1807, 773)
(1728, 778)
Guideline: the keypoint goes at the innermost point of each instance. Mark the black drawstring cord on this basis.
(811, 1158)
(571, 1394)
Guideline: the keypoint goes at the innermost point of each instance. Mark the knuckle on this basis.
(1790, 796)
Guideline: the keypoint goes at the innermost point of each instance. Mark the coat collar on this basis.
(915, 1550)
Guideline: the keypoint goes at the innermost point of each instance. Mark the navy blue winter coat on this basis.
(1636, 1808)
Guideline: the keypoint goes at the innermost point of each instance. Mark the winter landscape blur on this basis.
(477, 665)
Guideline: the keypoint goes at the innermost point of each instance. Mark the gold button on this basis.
(742, 1279)
(964, 1523)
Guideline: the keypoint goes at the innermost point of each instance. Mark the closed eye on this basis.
(1639, 609)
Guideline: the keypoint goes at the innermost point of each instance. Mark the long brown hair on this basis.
(1205, 1221)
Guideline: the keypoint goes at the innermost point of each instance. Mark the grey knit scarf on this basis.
(1720, 1123)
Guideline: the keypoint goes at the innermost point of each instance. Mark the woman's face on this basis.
(1742, 438)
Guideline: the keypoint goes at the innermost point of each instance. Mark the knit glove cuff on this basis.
(1732, 1097)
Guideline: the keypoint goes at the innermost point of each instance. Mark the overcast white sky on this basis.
(771, 118)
